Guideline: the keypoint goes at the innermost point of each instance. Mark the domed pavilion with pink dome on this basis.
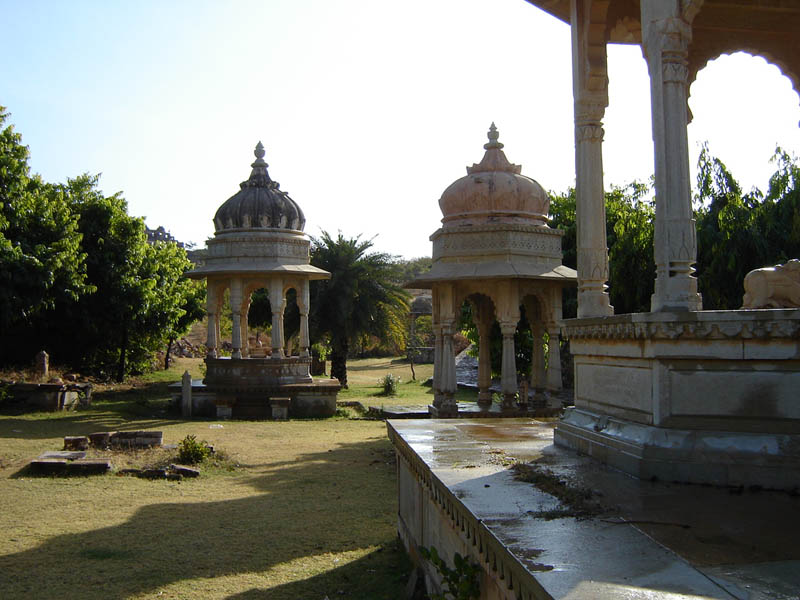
(496, 251)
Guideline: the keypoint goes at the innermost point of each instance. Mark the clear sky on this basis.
(368, 109)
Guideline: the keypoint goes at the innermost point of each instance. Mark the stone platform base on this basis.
(771, 461)
(648, 540)
(316, 399)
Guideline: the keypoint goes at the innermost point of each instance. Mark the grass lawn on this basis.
(305, 509)
(363, 377)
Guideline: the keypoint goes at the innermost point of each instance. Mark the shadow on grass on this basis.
(149, 405)
(382, 574)
(326, 502)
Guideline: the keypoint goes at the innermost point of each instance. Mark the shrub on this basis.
(389, 384)
(191, 452)
(461, 582)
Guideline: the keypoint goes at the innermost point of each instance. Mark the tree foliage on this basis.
(362, 297)
(77, 276)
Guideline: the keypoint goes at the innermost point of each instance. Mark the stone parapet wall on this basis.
(431, 515)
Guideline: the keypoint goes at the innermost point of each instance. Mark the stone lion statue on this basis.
(773, 287)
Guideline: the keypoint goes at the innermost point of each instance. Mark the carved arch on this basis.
(700, 57)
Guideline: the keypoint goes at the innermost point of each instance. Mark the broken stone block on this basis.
(89, 466)
(136, 439)
(49, 466)
(135, 472)
(153, 474)
(76, 442)
(63, 455)
(148, 439)
(185, 471)
(101, 439)
(174, 477)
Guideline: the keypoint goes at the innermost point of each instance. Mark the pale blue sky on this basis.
(368, 110)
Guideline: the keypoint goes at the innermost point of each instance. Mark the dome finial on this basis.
(493, 137)
(259, 152)
(259, 177)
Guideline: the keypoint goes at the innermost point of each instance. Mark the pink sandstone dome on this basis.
(494, 191)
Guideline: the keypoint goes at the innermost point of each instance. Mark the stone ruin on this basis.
(48, 394)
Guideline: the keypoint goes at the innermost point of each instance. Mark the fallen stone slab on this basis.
(63, 455)
(89, 466)
(76, 442)
(49, 466)
(153, 474)
(185, 471)
(134, 472)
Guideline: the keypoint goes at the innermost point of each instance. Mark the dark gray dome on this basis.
(259, 204)
(422, 305)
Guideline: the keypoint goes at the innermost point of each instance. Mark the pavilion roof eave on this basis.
(483, 271)
(309, 271)
(558, 8)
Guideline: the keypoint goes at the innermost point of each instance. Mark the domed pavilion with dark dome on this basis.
(496, 251)
(259, 243)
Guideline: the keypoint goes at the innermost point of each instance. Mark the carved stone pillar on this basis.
(537, 360)
(508, 376)
(484, 323)
(590, 91)
(245, 328)
(553, 359)
(236, 317)
(665, 42)
(277, 302)
(303, 304)
(438, 344)
(213, 320)
(448, 377)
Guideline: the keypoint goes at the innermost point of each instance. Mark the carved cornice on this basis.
(622, 328)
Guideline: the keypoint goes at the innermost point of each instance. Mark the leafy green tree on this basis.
(410, 268)
(730, 242)
(629, 234)
(629, 231)
(142, 301)
(41, 262)
(360, 299)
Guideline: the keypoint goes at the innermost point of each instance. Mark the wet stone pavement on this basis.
(643, 539)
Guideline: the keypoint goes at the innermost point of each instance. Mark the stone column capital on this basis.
(508, 328)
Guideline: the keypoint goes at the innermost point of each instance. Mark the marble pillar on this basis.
(304, 304)
(277, 302)
(437, 364)
(508, 376)
(448, 376)
(484, 322)
(213, 319)
(665, 43)
(590, 92)
(236, 317)
(553, 378)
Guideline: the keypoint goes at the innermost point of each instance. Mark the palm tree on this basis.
(360, 299)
